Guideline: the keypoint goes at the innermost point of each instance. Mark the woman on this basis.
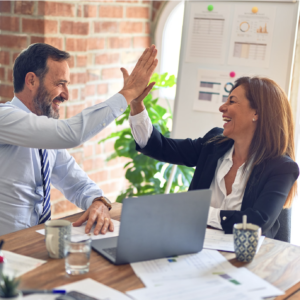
(249, 166)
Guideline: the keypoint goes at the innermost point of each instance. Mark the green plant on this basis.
(146, 175)
(9, 287)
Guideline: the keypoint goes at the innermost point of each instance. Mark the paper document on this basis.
(208, 288)
(88, 287)
(78, 233)
(218, 240)
(16, 265)
(212, 90)
(207, 33)
(252, 34)
(206, 262)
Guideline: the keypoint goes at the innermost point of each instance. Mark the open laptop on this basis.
(158, 226)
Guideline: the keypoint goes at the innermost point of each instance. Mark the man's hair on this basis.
(34, 59)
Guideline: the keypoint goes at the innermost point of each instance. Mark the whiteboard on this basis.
(187, 121)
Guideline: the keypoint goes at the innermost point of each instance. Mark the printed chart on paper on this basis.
(251, 36)
(206, 39)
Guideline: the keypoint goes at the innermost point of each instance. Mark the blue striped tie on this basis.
(45, 170)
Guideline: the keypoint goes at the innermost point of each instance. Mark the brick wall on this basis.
(101, 36)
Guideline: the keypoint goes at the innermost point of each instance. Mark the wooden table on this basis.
(276, 262)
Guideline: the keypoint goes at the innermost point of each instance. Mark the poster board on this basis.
(221, 45)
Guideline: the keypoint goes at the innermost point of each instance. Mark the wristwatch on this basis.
(104, 200)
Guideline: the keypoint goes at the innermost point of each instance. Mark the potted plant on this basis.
(9, 288)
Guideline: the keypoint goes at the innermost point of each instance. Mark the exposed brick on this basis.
(79, 11)
(147, 28)
(77, 78)
(93, 74)
(156, 4)
(98, 148)
(73, 94)
(131, 27)
(73, 44)
(130, 57)
(111, 187)
(95, 43)
(6, 91)
(53, 41)
(99, 176)
(81, 60)
(102, 89)
(141, 41)
(74, 109)
(111, 11)
(56, 9)
(5, 6)
(9, 23)
(4, 57)
(137, 12)
(90, 90)
(13, 41)
(90, 11)
(78, 156)
(71, 61)
(2, 73)
(106, 27)
(88, 150)
(93, 164)
(117, 43)
(9, 75)
(117, 173)
(69, 27)
(104, 59)
(109, 146)
(111, 73)
(39, 26)
(24, 7)
(56, 195)
(62, 206)
(15, 55)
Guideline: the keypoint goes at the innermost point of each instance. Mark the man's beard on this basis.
(43, 103)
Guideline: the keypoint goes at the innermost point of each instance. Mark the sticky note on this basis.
(210, 7)
(254, 9)
(232, 74)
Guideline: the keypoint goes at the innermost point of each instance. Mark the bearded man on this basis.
(33, 140)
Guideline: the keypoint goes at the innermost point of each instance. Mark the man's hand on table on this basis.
(97, 212)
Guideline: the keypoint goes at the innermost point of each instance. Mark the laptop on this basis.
(158, 226)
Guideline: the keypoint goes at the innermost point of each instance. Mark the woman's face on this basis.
(238, 116)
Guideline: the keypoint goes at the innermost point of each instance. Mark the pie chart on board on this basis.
(244, 26)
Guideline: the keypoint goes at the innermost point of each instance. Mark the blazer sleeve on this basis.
(269, 202)
(176, 151)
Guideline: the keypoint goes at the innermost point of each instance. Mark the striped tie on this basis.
(46, 215)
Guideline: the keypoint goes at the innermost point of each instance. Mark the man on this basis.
(33, 140)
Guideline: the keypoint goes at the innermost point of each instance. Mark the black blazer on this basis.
(266, 190)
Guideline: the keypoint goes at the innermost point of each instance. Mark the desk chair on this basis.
(284, 232)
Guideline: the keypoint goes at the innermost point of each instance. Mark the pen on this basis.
(27, 292)
(1, 244)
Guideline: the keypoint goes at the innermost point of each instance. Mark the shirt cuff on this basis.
(139, 118)
(118, 104)
(214, 218)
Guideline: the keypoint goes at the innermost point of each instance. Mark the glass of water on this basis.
(78, 254)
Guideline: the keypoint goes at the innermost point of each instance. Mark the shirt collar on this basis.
(17, 102)
(228, 156)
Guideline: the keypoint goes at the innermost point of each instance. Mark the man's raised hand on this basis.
(136, 83)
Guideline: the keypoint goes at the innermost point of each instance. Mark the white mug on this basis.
(55, 232)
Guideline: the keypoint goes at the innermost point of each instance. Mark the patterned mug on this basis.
(56, 232)
(246, 241)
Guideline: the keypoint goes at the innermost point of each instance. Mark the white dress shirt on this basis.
(22, 134)
(142, 128)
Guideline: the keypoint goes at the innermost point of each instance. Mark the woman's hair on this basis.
(274, 134)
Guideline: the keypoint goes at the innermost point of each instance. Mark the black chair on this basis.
(284, 232)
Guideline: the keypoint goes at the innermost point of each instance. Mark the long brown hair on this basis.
(274, 134)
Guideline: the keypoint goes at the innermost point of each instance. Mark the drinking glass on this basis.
(77, 259)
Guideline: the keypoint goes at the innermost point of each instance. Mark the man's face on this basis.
(53, 89)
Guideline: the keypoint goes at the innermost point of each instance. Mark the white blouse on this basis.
(141, 128)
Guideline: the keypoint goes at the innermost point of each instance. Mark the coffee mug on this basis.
(56, 232)
(246, 241)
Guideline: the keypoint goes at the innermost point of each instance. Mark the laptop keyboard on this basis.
(111, 251)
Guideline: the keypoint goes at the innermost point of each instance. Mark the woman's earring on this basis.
(253, 120)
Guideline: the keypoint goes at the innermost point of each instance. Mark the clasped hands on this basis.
(135, 89)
